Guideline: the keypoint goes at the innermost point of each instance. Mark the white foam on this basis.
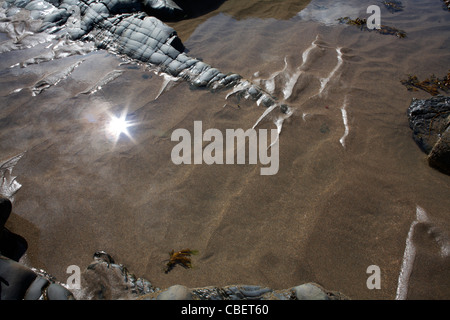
(289, 87)
(409, 256)
(265, 113)
(345, 120)
(270, 83)
(168, 83)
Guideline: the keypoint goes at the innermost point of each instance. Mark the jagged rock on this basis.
(430, 121)
(106, 280)
(124, 27)
(439, 156)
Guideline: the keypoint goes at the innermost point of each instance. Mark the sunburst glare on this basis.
(119, 125)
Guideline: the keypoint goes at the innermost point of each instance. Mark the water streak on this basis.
(345, 120)
(409, 256)
(110, 76)
(324, 81)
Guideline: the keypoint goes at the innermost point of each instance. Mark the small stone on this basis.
(310, 291)
(176, 292)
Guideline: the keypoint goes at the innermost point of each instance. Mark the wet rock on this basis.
(313, 291)
(430, 121)
(309, 291)
(15, 279)
(165, 9)
(176, 292)
(439, 156)
(56, 291)
(12, 245)
(104, 279)
(5, 210)
(36, 289)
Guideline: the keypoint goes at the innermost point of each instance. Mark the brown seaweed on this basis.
(362, 24)
(393, 5)
(446, 5)
(182, 257)
(433, 85)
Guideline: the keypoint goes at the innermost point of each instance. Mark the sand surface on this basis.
(338, 204)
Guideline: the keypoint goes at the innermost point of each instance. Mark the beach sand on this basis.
(332, 210)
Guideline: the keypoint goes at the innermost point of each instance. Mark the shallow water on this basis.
(350, 179)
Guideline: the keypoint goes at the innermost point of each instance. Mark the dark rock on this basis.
(102, 256)
(36, 289)
(15, 279)
(106, 280)
(12, 245)
(439, 157)
(430, 121)
(55, 291)
(5, 210)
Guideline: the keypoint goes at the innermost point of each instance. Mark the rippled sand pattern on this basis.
(352, 183)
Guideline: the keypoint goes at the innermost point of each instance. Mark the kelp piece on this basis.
(432, 84)
(393, 5)
(362, 24)
(446, 5)
(182, 257)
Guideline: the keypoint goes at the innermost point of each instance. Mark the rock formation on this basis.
(430, 121)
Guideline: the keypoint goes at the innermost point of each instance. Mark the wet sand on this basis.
(331, 211)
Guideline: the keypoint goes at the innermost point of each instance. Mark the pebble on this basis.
(310, 291)
(176, 292)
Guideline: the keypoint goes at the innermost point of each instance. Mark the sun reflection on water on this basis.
(119, 125)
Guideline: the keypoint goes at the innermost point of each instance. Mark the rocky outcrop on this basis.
(105, 279)
(430, 121)
(18, 282)
(126, 28)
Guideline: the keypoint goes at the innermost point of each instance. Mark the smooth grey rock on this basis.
(36, 289)
(176, 292)
(56, 291)
(309, 291)
(15, 279)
